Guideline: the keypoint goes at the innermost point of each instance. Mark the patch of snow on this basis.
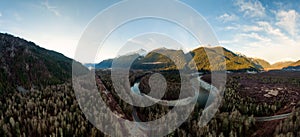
(272, 92)
(251, 72)
(267, 95)
(152, 63)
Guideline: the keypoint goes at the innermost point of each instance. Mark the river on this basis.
(201, 96)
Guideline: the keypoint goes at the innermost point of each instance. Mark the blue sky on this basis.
(264, 29)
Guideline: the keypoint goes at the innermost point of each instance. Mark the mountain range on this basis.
(159, 59)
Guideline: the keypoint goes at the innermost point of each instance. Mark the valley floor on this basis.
(54, 110)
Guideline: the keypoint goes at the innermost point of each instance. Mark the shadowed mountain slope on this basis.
(26, 65)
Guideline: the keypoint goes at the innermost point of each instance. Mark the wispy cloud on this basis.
(244, 28)
(251, 28)
(269, 29)
(265, 41)
(251, 8)
(52, 9)
(255, 36)
(227, 18)
(228, 42)
(231, 28)
(287, 20)
(0, 14)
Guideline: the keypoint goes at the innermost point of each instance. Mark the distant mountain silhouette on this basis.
(104, 64)
(280, 65)
(261, 62)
